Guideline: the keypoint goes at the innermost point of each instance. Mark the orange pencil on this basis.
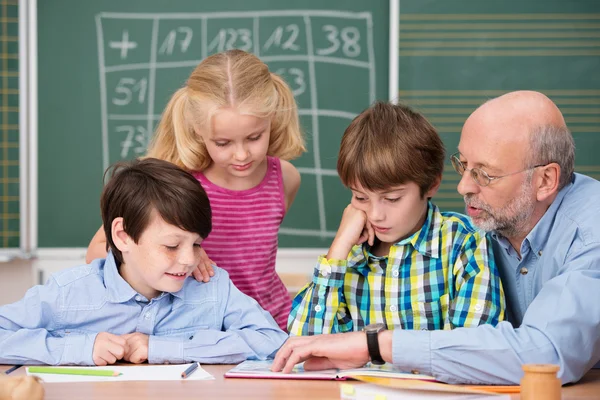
(496, 389)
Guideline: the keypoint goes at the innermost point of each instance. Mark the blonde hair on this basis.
(235, 79)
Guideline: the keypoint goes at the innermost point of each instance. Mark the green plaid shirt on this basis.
(441, 277)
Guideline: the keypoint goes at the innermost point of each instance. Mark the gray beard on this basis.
(511, 220)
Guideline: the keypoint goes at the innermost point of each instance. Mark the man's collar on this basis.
(538, 237)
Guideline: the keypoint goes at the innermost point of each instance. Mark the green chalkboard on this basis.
(9, 126)
(454, 55)
(107, 68)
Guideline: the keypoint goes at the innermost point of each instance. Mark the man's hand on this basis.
(137, 347)
(354, 229)
(108, 348)
(336, 350)
(204, 270)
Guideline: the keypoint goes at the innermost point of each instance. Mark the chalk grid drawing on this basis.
(143, 58)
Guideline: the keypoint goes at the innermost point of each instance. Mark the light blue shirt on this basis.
(553, 299)
(212, 322)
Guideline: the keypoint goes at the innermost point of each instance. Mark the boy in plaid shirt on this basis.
(396, 259)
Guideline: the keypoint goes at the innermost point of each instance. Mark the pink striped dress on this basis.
(243, 239)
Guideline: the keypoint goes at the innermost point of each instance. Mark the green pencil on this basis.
(73, 371)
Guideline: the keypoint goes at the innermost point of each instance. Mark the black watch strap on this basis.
(373, 346)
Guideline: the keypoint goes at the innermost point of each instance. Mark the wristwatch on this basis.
(372, 331)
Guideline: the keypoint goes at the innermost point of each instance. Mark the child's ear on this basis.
(119, 236)
(434, 188)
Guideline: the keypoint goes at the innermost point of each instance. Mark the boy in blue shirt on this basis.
(139, 303)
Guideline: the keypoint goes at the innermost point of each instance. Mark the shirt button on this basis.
(325, 270)
(395, 274)
(147, 315)
(540, 253)
(415, 372)
(477, 307)
(393, 308)
(138, 298)
(524, 271)
(317, 308)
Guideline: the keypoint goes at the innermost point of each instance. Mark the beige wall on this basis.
(15, 278)
(293, 266)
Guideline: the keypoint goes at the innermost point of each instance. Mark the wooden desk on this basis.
(224, 389)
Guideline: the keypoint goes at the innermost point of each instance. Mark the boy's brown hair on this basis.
(388, 145)
(138, 187)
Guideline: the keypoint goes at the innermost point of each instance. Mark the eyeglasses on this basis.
(480, 176)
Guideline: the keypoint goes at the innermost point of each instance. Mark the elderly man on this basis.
(516, 158)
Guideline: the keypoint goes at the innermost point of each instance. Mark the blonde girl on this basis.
(234, 125)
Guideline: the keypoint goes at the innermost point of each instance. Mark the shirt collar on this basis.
(118, 290)
(181, 293)
(501, 240)
(538, 236)
(427, 239)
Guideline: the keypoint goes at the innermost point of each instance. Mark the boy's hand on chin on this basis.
(108, 348)
(354, 229)
(136, 349)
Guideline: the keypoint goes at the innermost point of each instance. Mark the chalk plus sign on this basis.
(124, 45)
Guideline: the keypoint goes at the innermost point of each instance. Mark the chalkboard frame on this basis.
(31, 239)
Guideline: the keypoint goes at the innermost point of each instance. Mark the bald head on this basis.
(523, 128)
(527, 108)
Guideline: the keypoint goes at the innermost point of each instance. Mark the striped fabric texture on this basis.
(441, 277)
(243, 240)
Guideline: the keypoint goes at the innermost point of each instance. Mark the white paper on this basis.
(131, 373)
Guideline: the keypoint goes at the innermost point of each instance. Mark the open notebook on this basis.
(262, 369)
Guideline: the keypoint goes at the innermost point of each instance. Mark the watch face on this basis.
(375, 327)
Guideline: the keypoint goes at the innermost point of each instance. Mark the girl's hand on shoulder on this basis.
(204, 270)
